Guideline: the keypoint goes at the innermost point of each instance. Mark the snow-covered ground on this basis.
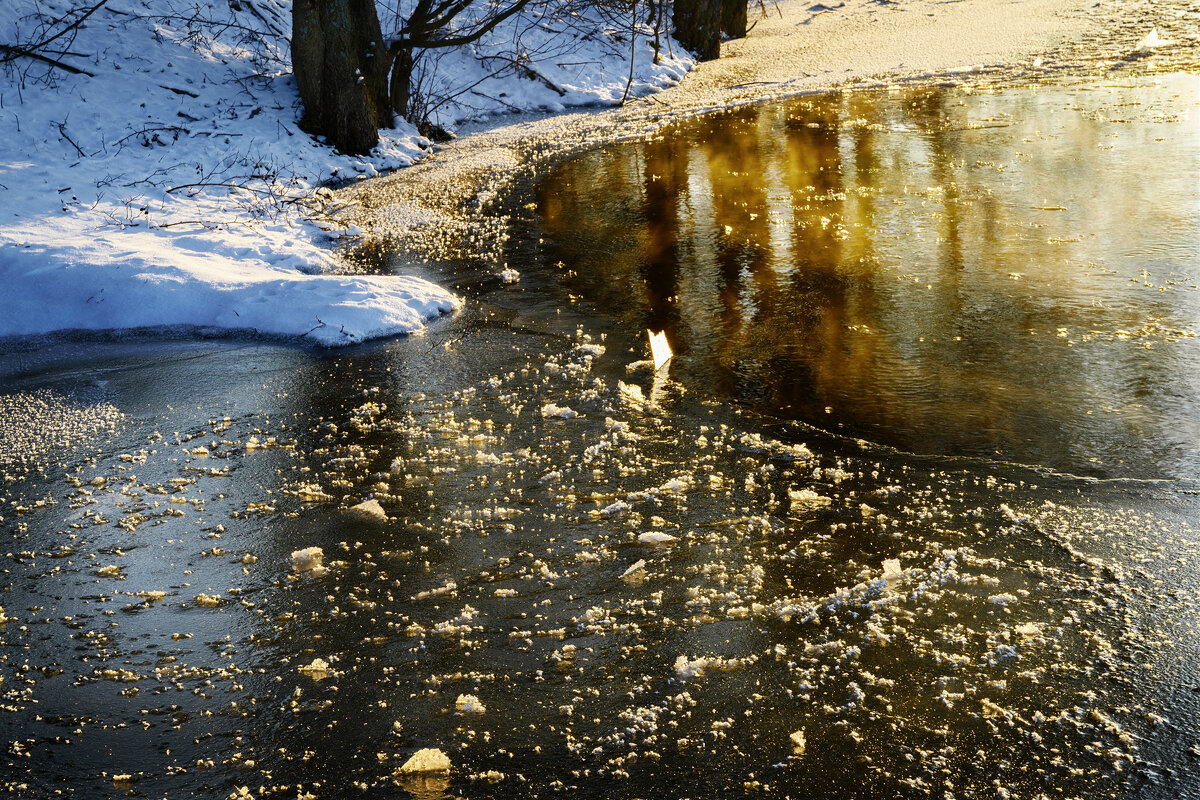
(164, 182)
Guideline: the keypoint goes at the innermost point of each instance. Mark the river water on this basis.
(912, 512)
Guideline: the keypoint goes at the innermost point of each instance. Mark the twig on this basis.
(62, 128)
(496, 100)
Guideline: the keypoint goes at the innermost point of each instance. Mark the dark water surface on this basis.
(1011, 273)
(930, 617)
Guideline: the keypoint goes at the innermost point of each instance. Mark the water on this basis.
(1008, 273)
(935, 616)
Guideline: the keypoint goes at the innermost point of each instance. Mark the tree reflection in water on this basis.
(940, 269)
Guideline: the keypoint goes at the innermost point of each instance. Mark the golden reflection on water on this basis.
(945, 270)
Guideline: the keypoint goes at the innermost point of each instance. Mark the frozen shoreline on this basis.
(798, 47)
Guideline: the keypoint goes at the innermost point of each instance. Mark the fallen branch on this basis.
(534, 75)
(21, 52)
(30, 50)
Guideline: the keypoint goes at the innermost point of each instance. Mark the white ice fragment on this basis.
(638, 566)
(1002, 599)
(429, 759)
(469, 704)
(656, 537)
(309, 560)
(660, 350)
(318, 670)
(690, 668)
(892, 571)
(806, 499)
(369, 509)
(208, 600)
(510, 275)
(799, 743)
(552, 410)
(1151, 41)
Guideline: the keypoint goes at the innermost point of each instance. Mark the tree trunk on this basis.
(341, 67)
(402, 70)
(734, 18)
(698, 27)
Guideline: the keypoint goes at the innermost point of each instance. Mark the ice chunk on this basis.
(799, 743)
(369, 509)
(1151, 41)
(892, 571)
(208, 600)
(427, 760)
(318, 670)
(551, 410)
(660, 350)
(510, 275)
(656, 537)
(633, 572)
(806, 499)
(469, 704)
(309, 560)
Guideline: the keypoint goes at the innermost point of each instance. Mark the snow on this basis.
(170, 187)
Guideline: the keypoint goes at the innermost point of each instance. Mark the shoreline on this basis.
(861, 42)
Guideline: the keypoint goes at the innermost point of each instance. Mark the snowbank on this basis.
(161, 180)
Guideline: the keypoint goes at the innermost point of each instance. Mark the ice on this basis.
(660, 349)
(807, 499)
(1150, 42)
(563, 412)
(369, 509)
(208, 600)
(317, 670)
(635, 571)
(469, 704)
(656, 537)
(799, 743)
(510, 275)
(309, 560)
(426, 760)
